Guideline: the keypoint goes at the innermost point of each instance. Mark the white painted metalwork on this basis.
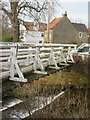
(38, 63)
(51, 60)
(62, 58)
(14, 66)
(18, 58)
(69, 56)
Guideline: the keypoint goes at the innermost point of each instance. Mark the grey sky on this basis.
(89, 14)
(77, 11)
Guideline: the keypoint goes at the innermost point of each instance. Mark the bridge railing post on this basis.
(13, 59)
(62, 59)
(52, 60)
(38, 63)
(75, 48)
(14, 67)
(69, 56)
(30, 54)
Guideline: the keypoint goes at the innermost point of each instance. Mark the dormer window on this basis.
(80, 34)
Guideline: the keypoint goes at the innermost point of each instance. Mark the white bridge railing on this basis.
(18, 58)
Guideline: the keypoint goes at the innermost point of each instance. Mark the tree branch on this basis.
(7, 13)
(27, 5)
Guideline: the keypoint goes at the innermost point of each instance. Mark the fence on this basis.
(18, 58)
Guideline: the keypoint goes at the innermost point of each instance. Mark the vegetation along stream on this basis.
(63, 94)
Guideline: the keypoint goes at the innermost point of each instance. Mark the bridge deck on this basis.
(19, 58)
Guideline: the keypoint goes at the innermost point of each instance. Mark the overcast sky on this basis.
(77, 10)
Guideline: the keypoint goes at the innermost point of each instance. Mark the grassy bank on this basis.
(54, 83)
(73, 79)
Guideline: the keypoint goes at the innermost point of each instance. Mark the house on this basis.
(81, 33)
(31, 26)
(89, 35)
(62, 30)
(34, 32)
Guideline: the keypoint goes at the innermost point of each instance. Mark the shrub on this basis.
(72, 42)
(7, 38)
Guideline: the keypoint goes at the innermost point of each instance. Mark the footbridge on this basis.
(19, 58)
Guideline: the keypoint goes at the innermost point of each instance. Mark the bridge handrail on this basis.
(34, 56)
(35, 45)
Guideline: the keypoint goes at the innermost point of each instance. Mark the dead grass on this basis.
(60, 80)
(73, 104)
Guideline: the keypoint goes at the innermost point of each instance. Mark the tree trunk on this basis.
(15, 21)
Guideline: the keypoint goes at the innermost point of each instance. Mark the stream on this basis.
(72, 85)
(13, 108)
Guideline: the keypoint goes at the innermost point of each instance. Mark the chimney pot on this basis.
(65, 13)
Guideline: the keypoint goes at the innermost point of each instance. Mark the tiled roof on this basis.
(42, 26)
(88, 30)
(80, 27)
(54, 22)
(29, 26)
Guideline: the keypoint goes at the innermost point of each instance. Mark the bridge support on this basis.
(62, 59)
(14, 68)
(69, 56)
(30, 57)
(52, 60)
(38, 63)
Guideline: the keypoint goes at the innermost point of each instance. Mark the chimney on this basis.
(36, 25)
(65, 14)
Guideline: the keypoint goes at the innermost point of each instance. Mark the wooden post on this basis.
(69, 56)
(15, 67)
(48, 25)
(62, 59)
(38, 63)
(52, 60)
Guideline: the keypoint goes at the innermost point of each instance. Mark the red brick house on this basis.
(40, 26)
(34, 32)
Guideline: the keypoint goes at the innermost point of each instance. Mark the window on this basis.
(80, 34)
(42, 35)
(40, 41)
(84, 49)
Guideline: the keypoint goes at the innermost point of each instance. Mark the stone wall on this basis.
(84, 38)
(64, 32)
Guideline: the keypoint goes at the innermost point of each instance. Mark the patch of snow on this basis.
(24, 113)
(11, 104)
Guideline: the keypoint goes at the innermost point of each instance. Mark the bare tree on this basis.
(6, 25)
(17, 10)
(14, 10)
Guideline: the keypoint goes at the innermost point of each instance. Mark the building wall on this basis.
(84, 38)
(33, 37)
(89, 38)
(64, 32)
(45, 36)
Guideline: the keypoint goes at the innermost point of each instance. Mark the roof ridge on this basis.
(78, 23)
(80, 27)
(54, 22)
